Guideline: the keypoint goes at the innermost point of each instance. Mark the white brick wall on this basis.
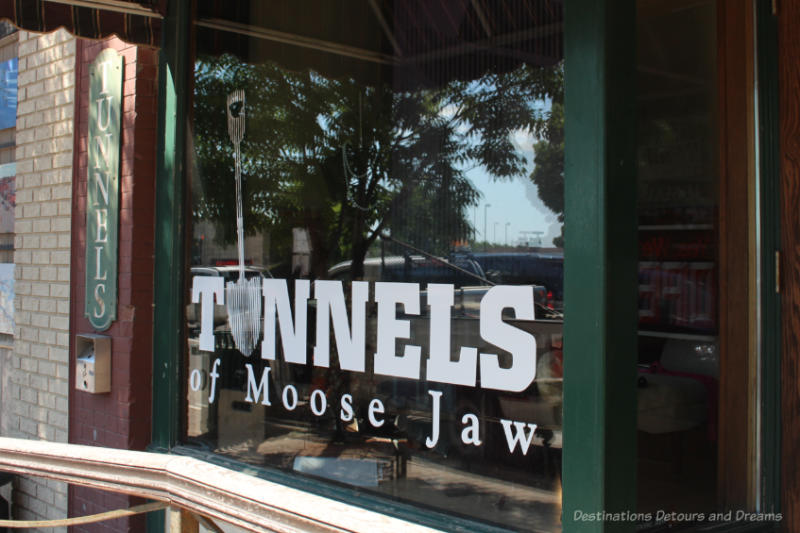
(38, 386)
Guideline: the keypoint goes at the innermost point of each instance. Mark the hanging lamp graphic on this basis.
(243, 297)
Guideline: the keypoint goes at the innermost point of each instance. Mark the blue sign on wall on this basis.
(8, 93)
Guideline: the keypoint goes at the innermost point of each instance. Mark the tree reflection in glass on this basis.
(350, 162)
(350, 176)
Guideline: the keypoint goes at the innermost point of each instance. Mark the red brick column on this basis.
(121, 418)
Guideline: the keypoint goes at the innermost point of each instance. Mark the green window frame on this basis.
(600, 258)
(770, 206)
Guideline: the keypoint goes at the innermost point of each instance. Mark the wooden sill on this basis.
(209, 490)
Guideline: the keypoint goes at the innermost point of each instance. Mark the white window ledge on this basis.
(209, 490)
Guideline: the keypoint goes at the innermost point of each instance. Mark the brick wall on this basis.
(8, 50)
(38, 399)
(38, 387)
(121, 418)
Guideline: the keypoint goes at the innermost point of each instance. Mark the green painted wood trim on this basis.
(770, 235)
(169, 235)
(599, 470)
(170, 226)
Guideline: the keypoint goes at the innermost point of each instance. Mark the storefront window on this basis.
(376, 261)
(679, 209)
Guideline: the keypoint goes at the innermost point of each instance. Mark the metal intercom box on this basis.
(93, 368)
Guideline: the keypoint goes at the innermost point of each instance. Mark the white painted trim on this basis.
(209, 490)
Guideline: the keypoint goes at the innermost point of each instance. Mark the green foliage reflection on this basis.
(349, 161)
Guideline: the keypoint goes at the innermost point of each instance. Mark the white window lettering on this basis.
(388, 295)
(375, 407)
(346, 402)
(257, 388)
(293, 335)
(440, 367)
(471, 432)
(289, 397)
(196, 379)
(204, 290)
(349, 341)
(214, 377)
(520, 344)
(436, 396)
(319, 403)
(518, 436)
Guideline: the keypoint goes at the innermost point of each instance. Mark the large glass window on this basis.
(376, 262)
(697, 407)
(678, 250)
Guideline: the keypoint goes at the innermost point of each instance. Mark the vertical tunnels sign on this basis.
(102, 188)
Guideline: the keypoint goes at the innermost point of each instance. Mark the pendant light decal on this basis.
(243, 296)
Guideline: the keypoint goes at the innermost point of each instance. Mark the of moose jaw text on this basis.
(350, 339)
